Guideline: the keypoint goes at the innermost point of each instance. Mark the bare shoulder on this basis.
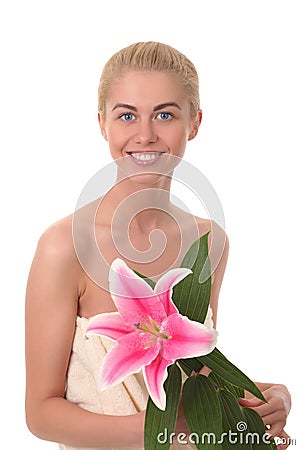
(55, 256)
(55, 275)
(217, 241)
(215, 230)
(57, 240)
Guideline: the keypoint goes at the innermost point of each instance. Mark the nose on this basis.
(145, 133)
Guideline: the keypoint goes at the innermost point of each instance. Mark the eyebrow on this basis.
(166, 105)
(124, 105)
(156, 108)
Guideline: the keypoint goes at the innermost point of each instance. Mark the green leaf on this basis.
(202, 412)
(224, 384)
(217, 362)
(234, 425)
(256, 430)
(160, 424)
(192, 294)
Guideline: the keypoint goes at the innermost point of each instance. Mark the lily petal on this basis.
(108, 324)
(133, 297)
(130, 284)
(164, 287)
(188, 338)
(130, 353)
(208, 319)
(155, 375)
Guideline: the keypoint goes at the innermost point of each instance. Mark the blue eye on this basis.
(127, 117)
(164, 116)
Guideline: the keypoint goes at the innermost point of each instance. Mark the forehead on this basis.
(146, 87)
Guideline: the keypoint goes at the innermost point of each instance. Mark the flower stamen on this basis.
(151, 328)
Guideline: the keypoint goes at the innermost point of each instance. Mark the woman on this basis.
(148, 111)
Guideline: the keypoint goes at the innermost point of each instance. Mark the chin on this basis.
(147, 179)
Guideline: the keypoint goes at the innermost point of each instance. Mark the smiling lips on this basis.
(145, 158)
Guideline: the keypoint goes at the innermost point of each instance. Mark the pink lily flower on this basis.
(150, 332)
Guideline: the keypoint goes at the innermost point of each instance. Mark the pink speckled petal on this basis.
(130, 353)
(108, 324)
(188, 338)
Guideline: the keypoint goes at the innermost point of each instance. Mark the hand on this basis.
(275, 412)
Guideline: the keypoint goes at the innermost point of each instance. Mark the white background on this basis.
(247, 55)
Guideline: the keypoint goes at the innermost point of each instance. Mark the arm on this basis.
(219, 249)
(51, 307)
(219, 257)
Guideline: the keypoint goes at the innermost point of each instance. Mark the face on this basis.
(147, 117)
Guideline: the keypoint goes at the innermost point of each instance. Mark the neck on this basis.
(141, 200)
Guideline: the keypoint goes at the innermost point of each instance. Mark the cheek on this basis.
(178, 137)
(117, 140)
(113, 137)
(118, 134)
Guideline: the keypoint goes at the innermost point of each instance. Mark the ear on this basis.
(195, 125)
(102, 126)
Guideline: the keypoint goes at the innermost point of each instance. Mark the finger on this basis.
(250, 402)
(284, 441)
(273, 419)
(276, 428)
(270, 408)
(266, 409)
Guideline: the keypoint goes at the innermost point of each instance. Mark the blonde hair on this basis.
(150, 56)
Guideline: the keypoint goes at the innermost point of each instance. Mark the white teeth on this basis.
(145, 156)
